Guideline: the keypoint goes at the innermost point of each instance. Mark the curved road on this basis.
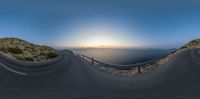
(179, 78)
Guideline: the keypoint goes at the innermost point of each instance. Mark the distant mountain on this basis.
(26, 51)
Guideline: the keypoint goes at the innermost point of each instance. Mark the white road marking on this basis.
(14, 71)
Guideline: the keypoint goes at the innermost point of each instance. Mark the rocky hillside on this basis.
(193, 44)
(26, 51)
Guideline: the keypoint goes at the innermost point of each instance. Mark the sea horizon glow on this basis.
(100, 35)
(102, 23)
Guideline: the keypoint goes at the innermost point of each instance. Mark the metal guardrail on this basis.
(117, 66)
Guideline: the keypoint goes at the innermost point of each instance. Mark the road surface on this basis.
(76, 78)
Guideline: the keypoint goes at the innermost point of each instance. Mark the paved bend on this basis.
(78, 79)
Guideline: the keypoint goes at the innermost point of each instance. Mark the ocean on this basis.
(122, 56)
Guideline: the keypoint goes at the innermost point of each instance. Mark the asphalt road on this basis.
(76, 78)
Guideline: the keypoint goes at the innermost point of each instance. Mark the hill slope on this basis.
(193, 44)
(26, 51)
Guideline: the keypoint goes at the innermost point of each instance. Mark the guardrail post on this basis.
(139, 68)
(92, 60)
(83, 56)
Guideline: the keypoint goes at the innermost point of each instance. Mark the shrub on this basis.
(28, 59)
(43, 53)
(52, 55)
(3, 49)
(15, 50)
(183, 47)
(20, 58)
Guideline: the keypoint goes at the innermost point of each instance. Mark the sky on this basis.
(93, 23)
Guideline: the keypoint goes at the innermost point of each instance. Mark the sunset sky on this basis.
(94, 23)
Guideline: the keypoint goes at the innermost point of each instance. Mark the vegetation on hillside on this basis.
(26, 51)
(192, 44)
(52, 54)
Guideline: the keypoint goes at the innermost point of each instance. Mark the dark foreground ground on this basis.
(76, 78)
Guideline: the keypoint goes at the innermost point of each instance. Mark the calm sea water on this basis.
(123, 56)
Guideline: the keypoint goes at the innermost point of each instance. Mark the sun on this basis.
(100, 39)
(100, 36)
